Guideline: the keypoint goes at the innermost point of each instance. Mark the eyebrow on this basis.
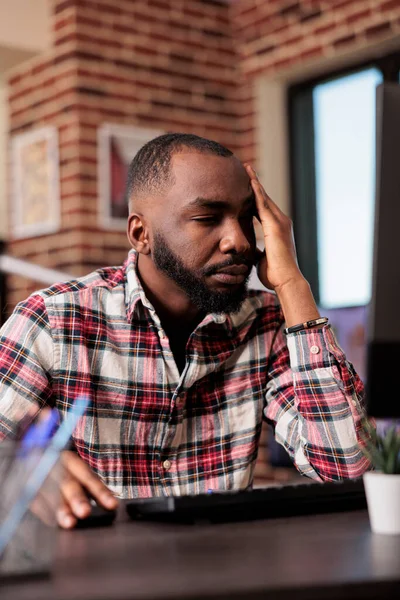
(215, 203)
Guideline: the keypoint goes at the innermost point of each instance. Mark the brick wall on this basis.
(185, 65)
(161, 64)
(274, 37)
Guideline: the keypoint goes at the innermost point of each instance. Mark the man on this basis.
(179, 361)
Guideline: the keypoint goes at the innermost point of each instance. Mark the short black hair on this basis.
(150, 172)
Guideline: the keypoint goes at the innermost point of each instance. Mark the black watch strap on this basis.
(307, 325)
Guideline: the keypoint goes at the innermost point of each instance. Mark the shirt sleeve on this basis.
(315, 399)
(26, 361)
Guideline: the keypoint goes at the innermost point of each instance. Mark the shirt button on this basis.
(167, 465)
(314, 349)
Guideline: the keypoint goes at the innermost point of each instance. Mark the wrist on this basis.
(297, 302)
(297, 282)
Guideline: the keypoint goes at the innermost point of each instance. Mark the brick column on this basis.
(158, 64)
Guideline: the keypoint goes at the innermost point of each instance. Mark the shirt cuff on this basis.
(314, 349)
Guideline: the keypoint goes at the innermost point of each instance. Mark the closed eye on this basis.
(209, 219)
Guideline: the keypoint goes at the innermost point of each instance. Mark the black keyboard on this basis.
(264, 503)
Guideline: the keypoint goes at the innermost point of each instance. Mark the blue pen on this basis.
(33, 443)
(41, 472)
(39, 434)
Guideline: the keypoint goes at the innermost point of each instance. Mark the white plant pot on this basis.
(383, 498)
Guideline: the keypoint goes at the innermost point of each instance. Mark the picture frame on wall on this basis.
(35, 183)
(117, 145)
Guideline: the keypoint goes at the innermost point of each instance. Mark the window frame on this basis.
(302, 175)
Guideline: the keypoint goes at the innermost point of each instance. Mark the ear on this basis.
(138, 235)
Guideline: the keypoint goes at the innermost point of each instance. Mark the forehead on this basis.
(209, 176)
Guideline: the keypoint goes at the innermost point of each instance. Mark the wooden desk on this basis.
(325, 556)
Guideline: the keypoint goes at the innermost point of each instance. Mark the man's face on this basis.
(202, 233)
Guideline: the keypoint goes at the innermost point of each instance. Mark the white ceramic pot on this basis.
(383, 498)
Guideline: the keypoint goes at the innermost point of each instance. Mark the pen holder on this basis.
(31, 549)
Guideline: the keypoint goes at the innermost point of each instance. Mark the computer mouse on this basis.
(99, 517)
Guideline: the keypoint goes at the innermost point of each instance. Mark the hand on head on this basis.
(278, 265)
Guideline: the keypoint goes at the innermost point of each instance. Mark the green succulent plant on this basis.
(383, 448)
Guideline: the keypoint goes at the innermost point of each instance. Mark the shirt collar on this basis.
(135, 298)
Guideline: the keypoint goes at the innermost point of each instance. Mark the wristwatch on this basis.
(306, 325)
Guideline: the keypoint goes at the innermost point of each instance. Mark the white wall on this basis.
(272, 140)
(3, 165)
(25, 24)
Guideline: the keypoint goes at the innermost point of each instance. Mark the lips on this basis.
(232, 275)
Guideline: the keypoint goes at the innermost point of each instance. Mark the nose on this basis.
(234, 240)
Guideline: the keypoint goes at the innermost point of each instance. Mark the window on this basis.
(333, 181)
(344, 118)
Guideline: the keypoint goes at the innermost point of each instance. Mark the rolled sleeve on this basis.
(313, 349)
(316, 400)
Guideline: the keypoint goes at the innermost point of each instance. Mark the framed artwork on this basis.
(117, 145)
(35, 183)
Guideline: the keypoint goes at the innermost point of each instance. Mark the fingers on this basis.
(263, 201)
(65, 516)
(75, 497)
(83, 474)
(265, 206)
(78, 485)
(280, 263)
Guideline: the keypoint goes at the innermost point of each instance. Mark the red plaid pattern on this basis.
(153, 431)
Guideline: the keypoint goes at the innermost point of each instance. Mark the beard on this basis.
(193, 283)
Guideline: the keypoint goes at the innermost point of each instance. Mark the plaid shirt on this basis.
(153, 431)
